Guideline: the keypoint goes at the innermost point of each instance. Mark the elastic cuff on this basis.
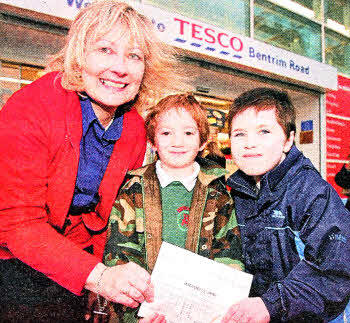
(273, 303)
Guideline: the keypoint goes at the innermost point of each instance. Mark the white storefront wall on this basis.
(233, 50)
(199, 37)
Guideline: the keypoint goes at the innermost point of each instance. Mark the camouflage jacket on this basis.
(135, 225)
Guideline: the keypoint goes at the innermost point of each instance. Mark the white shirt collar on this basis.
(165, 179)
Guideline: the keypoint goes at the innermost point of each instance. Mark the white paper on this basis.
(192, 289)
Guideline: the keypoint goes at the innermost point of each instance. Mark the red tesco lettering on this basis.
(209, 35)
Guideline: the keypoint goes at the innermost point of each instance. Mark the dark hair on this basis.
(265, 99)
(213, 148)
(178, 101)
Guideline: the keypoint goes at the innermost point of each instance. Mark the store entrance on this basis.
(216, 89)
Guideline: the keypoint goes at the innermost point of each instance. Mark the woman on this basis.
(66, 142)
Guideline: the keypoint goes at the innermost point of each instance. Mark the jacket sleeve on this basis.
(342, 178)
(318, 287)
(125, 234)
(227, 240)
(125, 239)
(25, 230)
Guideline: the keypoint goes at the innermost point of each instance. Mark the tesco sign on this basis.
(78, 3)
(208, 35)
(200, 37)
(203, 38)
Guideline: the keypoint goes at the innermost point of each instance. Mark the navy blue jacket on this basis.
(296, 241)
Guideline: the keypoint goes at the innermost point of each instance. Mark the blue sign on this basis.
(78, 3)
(307, 125)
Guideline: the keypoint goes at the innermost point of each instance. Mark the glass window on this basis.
(30, 73)
(282, 28)
(8, 72)
(306, 3)
(338, 51)
(339, 11)
(227, 14)
(314, 5)
(13, 77)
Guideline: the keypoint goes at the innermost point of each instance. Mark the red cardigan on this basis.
(40, 132)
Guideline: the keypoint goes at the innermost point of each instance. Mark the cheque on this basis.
(191, 288)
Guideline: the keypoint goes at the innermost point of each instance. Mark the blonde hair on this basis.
(96, 20)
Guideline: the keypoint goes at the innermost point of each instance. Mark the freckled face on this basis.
(258, 142)
(177, 142)
(114, 69)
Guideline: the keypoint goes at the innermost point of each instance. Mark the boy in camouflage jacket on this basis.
(178, 129)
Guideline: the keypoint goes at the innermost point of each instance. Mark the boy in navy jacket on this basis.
(295, 229)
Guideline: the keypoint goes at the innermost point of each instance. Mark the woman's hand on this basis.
(127, 284)
(249, 310)
(154, 318)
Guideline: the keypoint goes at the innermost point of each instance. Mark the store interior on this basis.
(216, 87)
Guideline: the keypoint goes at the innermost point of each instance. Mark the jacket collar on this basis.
(269, 182)
(241, 182)
(112, 132)
(274, 176)
(153, 210)
(208, 171)
(188, 182)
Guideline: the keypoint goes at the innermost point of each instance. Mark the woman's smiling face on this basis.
(114, 69)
